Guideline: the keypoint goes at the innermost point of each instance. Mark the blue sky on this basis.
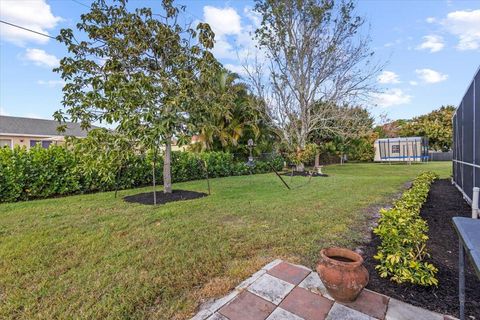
(432, 49)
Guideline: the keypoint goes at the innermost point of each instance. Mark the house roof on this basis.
(38, 127)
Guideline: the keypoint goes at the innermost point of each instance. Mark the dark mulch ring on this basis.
(444, 202)
(162, 198)
(304, 174)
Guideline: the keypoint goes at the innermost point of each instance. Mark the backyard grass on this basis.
(95, 256)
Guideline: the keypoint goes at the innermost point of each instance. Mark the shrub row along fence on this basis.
(41, 173)
(402, 253)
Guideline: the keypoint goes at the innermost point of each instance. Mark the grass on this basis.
(95, 256)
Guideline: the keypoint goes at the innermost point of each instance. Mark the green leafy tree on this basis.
(137, 69)
(103, 157)
(436, 126)
(391, 129)
(346, 133)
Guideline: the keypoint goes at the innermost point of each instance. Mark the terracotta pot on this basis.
(343, 273)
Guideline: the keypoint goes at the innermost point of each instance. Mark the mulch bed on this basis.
(304, 174)
(444, 202)
(162, 198)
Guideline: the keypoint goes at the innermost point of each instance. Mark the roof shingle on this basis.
(40, 127)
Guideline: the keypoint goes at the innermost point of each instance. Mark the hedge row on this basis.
(41, 173)
(402, 253)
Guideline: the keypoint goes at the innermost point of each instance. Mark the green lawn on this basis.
(95, 257)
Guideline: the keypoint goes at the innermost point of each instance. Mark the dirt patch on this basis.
(444, 202)
(372, 214)
(162, 198)
(304, 174)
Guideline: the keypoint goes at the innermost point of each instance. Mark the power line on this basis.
(26, 29)
(80, 3)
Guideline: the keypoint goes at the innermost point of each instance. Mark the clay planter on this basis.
(342, 273)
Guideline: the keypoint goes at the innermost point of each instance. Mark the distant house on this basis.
(28, 132)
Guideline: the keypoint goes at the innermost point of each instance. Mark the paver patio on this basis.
(284, 291)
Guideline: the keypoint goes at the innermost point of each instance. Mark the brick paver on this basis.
(289, 272)
(371, 303)
(247, 306)
(339, 311)
(306, 304)
(281, 314)
(283, 291)
(313, 283)
(270, 288)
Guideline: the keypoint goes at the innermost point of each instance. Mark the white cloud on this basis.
(413, 83)
(431, 19)
(391, 97)
(233, 40)
(31, 14)
(255, 17)
(393, 43)
(224, 21)
(466, 26)
(432, 42)
(388, 77)
(238, 69)
(40, 58)
(51, 83)
(430, 76)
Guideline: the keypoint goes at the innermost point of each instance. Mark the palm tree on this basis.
(229, 115)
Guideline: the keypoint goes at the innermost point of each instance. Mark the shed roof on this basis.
(38, 127)
(400, 139)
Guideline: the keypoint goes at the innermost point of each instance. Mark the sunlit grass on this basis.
(95, 256)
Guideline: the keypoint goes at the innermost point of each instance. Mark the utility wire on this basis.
(43, 34)
(80, 3)
(26, 29)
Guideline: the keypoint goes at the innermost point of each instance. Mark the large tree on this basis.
(436, 126)
(136, 69)
(314, 54)
(343, 128)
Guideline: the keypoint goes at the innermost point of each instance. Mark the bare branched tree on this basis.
(314, 56)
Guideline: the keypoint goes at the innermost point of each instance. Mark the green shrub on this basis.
(37, 173)
(83, 167)
(402, 253)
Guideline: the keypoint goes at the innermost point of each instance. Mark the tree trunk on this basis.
(167, 173)
(206, 174)
(300, 167)
(317, 160)
(117, 177)
(154, 178)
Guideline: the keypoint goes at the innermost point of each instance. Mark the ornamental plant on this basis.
(402, 254)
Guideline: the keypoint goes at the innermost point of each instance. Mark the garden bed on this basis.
(162, 198)
(304, 174)
(444, 202)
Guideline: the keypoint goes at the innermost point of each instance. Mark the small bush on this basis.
(402, 254)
